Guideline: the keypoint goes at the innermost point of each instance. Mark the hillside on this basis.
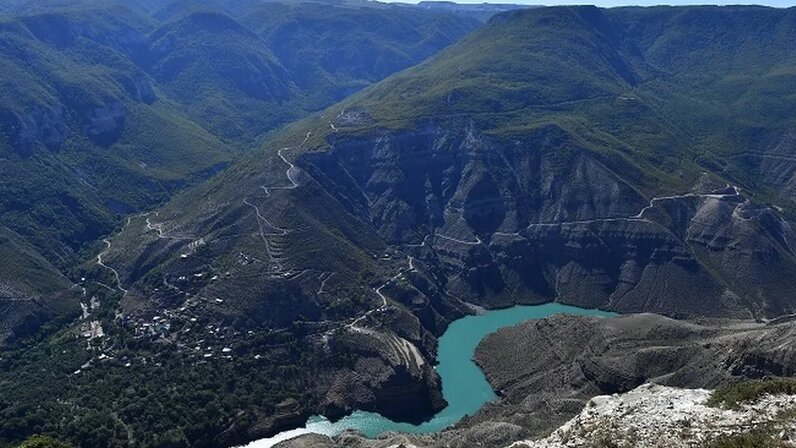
(633, 160)
(487, 173)
(556, 154)
(109, 109)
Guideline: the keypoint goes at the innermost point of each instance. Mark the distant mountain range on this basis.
(481, 11)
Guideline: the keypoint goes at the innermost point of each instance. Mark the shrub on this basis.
(733, 395)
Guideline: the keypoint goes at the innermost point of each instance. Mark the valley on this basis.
(589, 202)
(463, 384)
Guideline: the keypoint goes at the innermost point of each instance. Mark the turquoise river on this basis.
(464, 385)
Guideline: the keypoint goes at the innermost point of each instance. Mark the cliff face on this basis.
(366, 252)
(400, 233)
(551, 155)
(564, 371)
(541, 218)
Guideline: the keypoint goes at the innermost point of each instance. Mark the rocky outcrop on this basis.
(106, 122)
(454, 179)
(390, 376)
(546, 372)
(41, 126)
(654, 415)
(553, 364)
(541, 218)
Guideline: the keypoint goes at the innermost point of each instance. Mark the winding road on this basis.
(637, 217)
(114, 271)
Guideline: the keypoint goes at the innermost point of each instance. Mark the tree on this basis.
(43, 442)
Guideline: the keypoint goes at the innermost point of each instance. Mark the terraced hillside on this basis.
(108, 109)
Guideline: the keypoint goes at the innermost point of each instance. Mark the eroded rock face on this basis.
(140, 88)
(654, 415)
(546, 372)
(41, 126)
(411, 183)
(540, 218)
(106, 122)
(391, 376)
(545, 366)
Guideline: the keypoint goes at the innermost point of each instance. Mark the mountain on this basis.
(487, 163)
(480, 11)
(632, 159)
(110, 108)
(295, 58)
(244, 92)
(82, 142)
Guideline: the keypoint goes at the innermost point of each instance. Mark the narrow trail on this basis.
(324, 277)
(291, 168)
(276, 265)
(263, 222)
(638, 217)
(158, 227)
(766, 156)
(114, 271)
(455, 240)
(354, 325)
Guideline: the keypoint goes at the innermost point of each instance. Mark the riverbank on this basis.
(464, 385)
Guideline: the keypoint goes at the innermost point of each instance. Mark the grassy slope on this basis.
(195, 87)
(59, 192)
(61, 188)
(659, 88)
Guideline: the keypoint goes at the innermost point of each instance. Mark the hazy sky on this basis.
(778, 3)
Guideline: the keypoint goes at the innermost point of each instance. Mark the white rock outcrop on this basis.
(658, 416)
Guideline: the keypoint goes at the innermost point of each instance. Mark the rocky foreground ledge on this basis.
(652, 415)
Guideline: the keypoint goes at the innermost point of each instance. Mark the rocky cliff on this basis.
(546, 372)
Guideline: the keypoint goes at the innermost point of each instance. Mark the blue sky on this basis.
(608, 3)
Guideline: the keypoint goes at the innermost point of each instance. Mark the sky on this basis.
(609, 3)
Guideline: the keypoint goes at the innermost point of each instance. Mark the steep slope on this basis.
(287, 58)
(541, 158)
(333, 50)
(546, 372)
(554, 154)
(530, 164)
(243, 93)
(82, 142)
(32, 290)
(109, 109)
(585, 106)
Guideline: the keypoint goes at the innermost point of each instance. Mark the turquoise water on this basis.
(464, 385)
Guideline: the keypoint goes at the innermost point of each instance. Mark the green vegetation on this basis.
(43, 442)
(144, 392)
(652, 89)
(759, 438)
(734, 395)
(110, 108)
(108, 111)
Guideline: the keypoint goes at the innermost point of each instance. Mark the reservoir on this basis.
(464, 385)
